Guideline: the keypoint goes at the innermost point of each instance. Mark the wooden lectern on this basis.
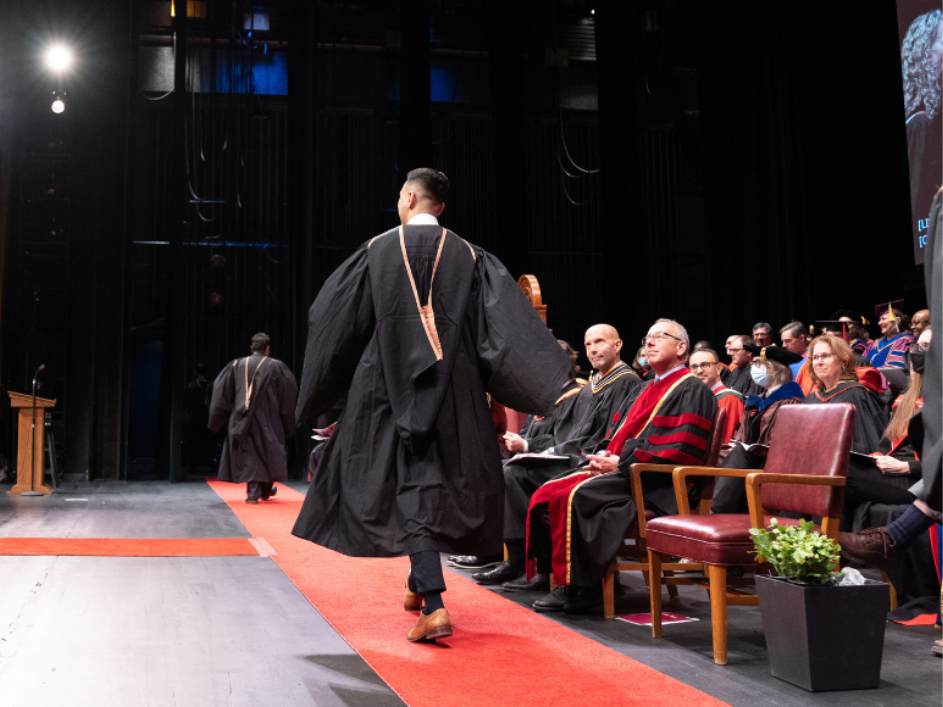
(32, 436)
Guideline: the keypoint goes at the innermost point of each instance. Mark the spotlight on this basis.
(58, 58)
(58, 105)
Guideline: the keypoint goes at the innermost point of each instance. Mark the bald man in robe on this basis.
(596, 412)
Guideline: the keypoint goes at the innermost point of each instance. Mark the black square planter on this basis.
(824, 637)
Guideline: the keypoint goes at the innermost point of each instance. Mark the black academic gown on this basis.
(933, 375)
(254, 449)
(598, 408)
(741, 381)
(413, 464)
(542, 432)
(870, 414)
(522, 477)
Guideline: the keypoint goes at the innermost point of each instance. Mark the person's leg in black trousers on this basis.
(426, 579)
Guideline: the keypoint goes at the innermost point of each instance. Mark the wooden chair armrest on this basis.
(680, 479)
(756, 479)
(635, 483)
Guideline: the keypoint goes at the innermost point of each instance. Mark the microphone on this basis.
(39, 370)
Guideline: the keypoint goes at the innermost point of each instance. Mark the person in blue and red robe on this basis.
(576, 523)
(890, 350)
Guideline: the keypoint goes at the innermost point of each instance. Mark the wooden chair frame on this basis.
(717, 583)
(642, 562)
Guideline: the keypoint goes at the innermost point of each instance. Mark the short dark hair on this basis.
(260, 342)
(571, 352)
(432, 181)
(708, 351)
(763, 325)
(744, 339)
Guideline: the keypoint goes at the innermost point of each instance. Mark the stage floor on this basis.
(235, 631)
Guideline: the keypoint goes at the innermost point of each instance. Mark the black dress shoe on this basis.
(540, 583)
(503, 572)
(252, 500)
(452, 559)
(267, 496)
(476, 562)
(554, 601)
(584, 599)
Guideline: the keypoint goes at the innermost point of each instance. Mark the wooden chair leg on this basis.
(893, 591)
(645, 576)
(718, 583)
(553, 585)
(672, 588)
(609, 592)
(654, 564)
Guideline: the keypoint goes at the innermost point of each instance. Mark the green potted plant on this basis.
(823, 632)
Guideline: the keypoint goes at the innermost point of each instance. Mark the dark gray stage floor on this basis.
(195, 631)
(235, 631)
(910, 674)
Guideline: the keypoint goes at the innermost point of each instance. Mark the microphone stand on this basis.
(32, 440)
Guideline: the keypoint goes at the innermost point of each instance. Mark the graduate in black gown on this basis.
(418, 325)
(256, 396)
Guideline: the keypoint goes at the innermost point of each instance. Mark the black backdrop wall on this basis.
(720, 163)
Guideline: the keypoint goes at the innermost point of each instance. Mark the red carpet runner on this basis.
(110, 547)
(501, 653)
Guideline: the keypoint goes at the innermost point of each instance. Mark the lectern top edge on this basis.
(23, 400)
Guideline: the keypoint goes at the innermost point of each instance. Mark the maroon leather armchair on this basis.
(805, 473)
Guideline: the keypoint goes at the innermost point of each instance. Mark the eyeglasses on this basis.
(659, 336)
(731, 352)
(822, 357)
(699, 366)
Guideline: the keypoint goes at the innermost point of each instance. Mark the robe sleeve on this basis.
(870, 421)
(287, 398)
(340, 324)
(224, 398)
(521, 363)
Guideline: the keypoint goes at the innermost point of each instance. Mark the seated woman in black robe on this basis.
(836, 381)
(770, 369)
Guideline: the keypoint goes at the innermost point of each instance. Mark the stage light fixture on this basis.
(58, 58)
(58, 105)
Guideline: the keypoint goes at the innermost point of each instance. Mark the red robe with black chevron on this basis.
(669, 423)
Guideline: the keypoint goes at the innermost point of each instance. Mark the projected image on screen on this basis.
(921, 57)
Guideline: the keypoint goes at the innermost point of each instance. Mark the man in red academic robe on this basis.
(705, 366)
(576, 523)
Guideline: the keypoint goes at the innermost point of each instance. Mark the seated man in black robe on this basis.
(256, 396)
(595, 410)
(740, 378)
(419, 325)
(576, 523)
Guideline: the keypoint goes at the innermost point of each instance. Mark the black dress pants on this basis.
(257, 489)
(426, 575)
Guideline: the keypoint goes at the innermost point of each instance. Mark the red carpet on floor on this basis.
(501, 653)
(921, 620)
(133, 547)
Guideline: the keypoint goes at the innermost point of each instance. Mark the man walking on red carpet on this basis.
(255, 396)
(413, 467)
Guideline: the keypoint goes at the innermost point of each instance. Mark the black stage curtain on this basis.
(804, 160)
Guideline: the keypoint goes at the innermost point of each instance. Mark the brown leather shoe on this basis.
(869, 548)
(428, 628)
(413, 601)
